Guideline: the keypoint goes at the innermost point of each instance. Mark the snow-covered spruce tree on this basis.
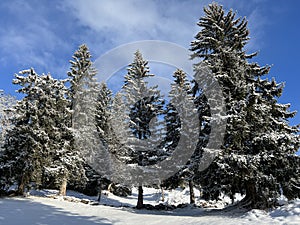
(66, 163)
(113, 123)
(84, 88)
(39, 135)
(103, 115)
(104, 102)
(106, 134)
(144, 104)
(83, 93)
(6, 104)
(119, 124)
(258, 155)
(25, 153)
(82, 74)
(180, 90)
(95, 179)
(274, 142)
(172, 117)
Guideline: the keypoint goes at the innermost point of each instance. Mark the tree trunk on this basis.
(63, 187)
(140, 202)
(162, 194)
(99, 195)
(23, 184)
(253, 200)
(99, 191)
(109, 188)
(192, 193)
(21, 189)
(232, 198)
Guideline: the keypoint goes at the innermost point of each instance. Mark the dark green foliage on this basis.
(143, 105)
(173, 125)
(258, 136)
(84, 93)
(39, 142)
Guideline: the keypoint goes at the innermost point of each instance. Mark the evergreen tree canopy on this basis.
(6, 104)
(258, 136)
(144, 104)
(172, 119)
(39, 139)
(83, 94)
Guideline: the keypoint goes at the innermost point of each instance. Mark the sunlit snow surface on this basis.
(38, 210)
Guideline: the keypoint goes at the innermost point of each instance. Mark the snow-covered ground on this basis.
(38, 209)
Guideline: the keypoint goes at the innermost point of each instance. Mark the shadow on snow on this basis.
(27, 212)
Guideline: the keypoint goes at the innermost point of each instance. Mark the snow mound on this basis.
(291, 210)
(286, 214)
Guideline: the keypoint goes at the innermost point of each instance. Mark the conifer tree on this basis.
(105, 116)
(66, 163)
(6, 104)
(258, 136)
(39, 138)
(81, 75)
(103, 105)
(179, 87)
(172, 118)
(110, 119)
(119, 125)
(144, 104)
(82, 94)
(24, 150)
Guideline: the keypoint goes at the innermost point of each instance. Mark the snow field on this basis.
(42, 208)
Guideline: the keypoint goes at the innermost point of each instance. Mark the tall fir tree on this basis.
(144, 104)
(258, 136)
(24, 149)
(180, 87)
(110, 120)
(83, 95)
(180, 83)
(119, 124)
(104, 101)
(66, 163)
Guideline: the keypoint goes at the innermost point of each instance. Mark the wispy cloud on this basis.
(256, 17)
(119, 21)
(45, 34)
(131, 20)
(28, 38)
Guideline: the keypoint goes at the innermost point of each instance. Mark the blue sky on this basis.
(44, 34)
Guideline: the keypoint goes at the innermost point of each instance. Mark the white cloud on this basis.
(120, 22)
(131, 20)
(28, 38)
(101, 15)
(29, 47)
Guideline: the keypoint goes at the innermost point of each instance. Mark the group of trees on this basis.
(40, 145)
(43, 141)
